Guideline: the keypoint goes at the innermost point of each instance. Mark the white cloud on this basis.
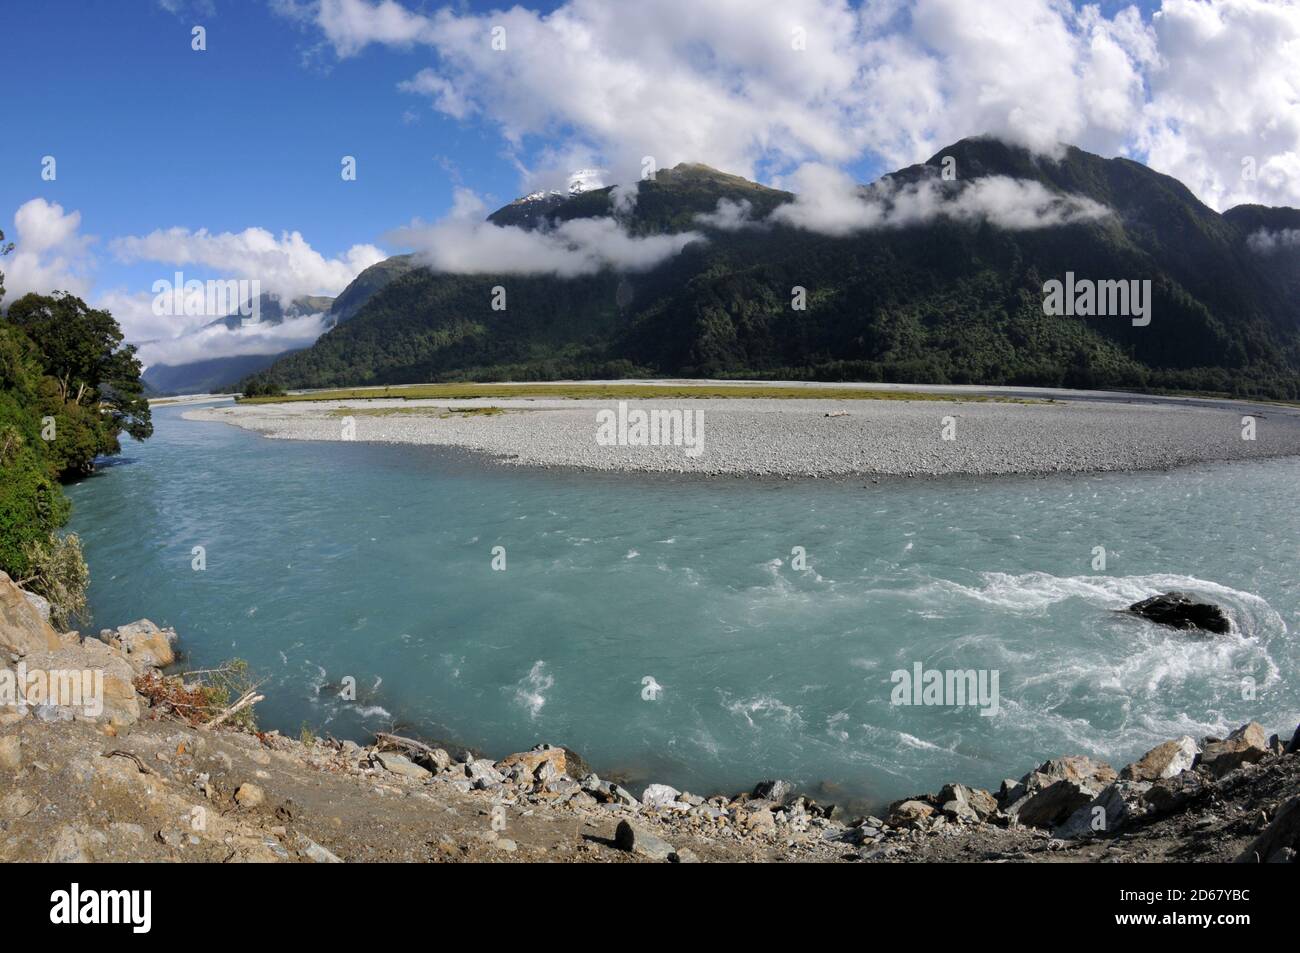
(50, 253)
(1224, 115)
(1197, 89)
(220, 341)
(1266, 242)
(829, 202)
(729, 216)
(287, 266)
(351, 25)
(445, 97)
(463, 243)
(623, 198)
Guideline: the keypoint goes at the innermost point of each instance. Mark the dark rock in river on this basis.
(1181, 611)
(778, 791)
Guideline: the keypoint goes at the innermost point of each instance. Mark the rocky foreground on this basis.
(139, 781)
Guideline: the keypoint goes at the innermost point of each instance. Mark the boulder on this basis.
(435, 759)
(1170, 795)
(775, 790)
(1163, 761)
(1010, 792)
(758, 818)
(400, 764)
(119, 704)
(561, 788)
(659, 795)
(144, 644)
(607, 792)
(41, 604)
(1280, 841)
(1115, 807)
(1058, 788)
(531, 761)
(1053, 804)
(22, 630)
(967, 804)
(483, 770)
(1180, 610)
(1079, 768)
(249, 795)
(1294, 746)
(1246, 745)
(909, 813)
(635, 839)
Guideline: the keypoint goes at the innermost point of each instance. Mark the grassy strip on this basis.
(623, 392)
(440, 413)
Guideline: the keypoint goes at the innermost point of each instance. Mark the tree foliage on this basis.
(68, 389)
(81, 350)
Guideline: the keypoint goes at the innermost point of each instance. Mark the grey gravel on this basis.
(797, 438)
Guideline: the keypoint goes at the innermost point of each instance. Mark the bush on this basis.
(204, 696)
(57, 570)
(260, 387)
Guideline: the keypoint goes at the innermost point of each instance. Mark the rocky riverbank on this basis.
(132, 779)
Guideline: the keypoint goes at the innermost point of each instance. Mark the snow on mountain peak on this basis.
(585, 180)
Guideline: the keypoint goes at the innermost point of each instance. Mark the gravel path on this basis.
(798, 438)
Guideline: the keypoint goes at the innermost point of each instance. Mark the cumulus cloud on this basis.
(463, 243)
(1224, 111)
(1201, 89)
(287, 266)
(50, 253)
(220, 341)
(829, 202)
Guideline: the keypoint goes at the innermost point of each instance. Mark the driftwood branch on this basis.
(206, 671)
(387, 740)
(119, 753)
(250, 697)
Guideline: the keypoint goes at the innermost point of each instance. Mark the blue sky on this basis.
(167, 157)
(149, 133)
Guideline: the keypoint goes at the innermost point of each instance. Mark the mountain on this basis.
(270, 311)
(931, 299)
(215, 375)
(364, 285)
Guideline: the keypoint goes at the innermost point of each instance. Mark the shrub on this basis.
(57, 570)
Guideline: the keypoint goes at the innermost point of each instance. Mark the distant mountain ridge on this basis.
(219, 374)
(942, 300)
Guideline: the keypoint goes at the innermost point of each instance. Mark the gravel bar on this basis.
(803, 438)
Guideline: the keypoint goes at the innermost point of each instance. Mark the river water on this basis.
(663, 628)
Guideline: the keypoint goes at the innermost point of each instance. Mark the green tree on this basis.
(97, 393)
(68, 388)
(32, 505)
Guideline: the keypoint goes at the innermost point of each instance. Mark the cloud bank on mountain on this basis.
(463, 243)
(829, 202)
